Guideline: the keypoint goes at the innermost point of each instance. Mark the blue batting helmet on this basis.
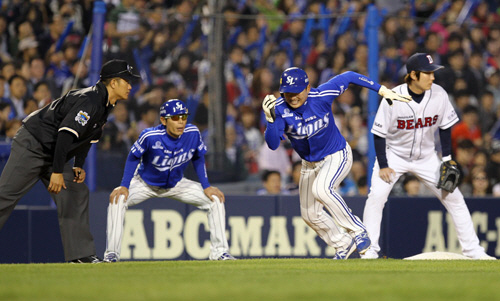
(173, 107)
(293, 80)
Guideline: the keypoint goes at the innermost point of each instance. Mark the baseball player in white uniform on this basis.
(161, 154)
(404, 142)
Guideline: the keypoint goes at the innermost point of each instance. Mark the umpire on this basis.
(48, 140)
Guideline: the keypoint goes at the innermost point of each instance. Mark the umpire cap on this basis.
(421, 62)
(118, 68)
(173, 107)
(293, 80)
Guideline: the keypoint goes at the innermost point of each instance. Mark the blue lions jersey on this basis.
(165, 158)
(311, 128)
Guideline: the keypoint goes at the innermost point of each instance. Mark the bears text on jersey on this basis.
(410, 124)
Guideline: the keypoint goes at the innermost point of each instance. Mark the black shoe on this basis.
(88, 259)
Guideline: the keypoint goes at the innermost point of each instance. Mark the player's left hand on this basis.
(214, 191)
(56, 183)
(390, 95)
(79, 174)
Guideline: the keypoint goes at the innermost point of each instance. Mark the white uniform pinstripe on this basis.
(186, 191)
(409, 132)
(317, 191)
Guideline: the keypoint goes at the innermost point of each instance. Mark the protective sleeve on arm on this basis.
(201, 171)
(63, 143)
(272, 136)
(380, 151)
(361, 80)
(445, 137)
(128, 172)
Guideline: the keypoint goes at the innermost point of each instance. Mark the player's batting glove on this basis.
(390, 95)
(268, 107)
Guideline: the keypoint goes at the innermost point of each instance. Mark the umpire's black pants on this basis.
(27, 164)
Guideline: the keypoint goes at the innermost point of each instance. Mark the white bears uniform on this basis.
(409, 132)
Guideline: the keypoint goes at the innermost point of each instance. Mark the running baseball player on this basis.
(404, 142)
(304, 114)
(163, 153)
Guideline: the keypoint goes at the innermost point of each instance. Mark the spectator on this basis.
(148, 117)
(42, 94)
(123, 22)
(411, 185)
(468, 128)
(5, 53)
(480, 183)
(487, 111)
(118, 133)
(293, 183)
(17, 87)
(271, 180)
(4, 117)
(253, 137)
(30, 106)
(493, 168)
(11, 128)
(362, 185)
(463, 156)
(275, 160)
(201, 115)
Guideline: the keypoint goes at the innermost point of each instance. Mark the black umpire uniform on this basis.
(45, 144)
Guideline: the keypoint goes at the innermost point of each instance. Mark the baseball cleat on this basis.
(111, 257)
(363, 242)
(369, 254)
(87, 259)
(226, 256)
(345, 253)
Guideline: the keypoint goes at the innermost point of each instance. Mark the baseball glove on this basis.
(449, 176)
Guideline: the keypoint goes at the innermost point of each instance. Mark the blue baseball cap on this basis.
(293, 80)
(421, 62)
(173, 107)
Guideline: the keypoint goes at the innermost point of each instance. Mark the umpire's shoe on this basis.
(363, 242)
(87, 259)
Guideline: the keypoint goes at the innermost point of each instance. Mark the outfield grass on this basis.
(256, 279)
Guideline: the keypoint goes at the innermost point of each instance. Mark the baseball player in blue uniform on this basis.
(304, 114)
(162, 154)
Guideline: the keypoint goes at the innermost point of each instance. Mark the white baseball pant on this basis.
(317, 188)
(427, 171)
(186, 191)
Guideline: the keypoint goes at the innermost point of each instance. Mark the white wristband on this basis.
(447, 158)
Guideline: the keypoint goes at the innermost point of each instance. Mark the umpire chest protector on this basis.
(81, 112)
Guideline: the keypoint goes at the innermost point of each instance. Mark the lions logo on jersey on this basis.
(82, 118)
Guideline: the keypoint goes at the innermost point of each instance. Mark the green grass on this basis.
(257, 279)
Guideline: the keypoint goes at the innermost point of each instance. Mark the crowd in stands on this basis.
(167, 41)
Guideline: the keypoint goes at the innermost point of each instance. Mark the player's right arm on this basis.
(274, 123)
(386, 173)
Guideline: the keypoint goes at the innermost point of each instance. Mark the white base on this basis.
(438, 256)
